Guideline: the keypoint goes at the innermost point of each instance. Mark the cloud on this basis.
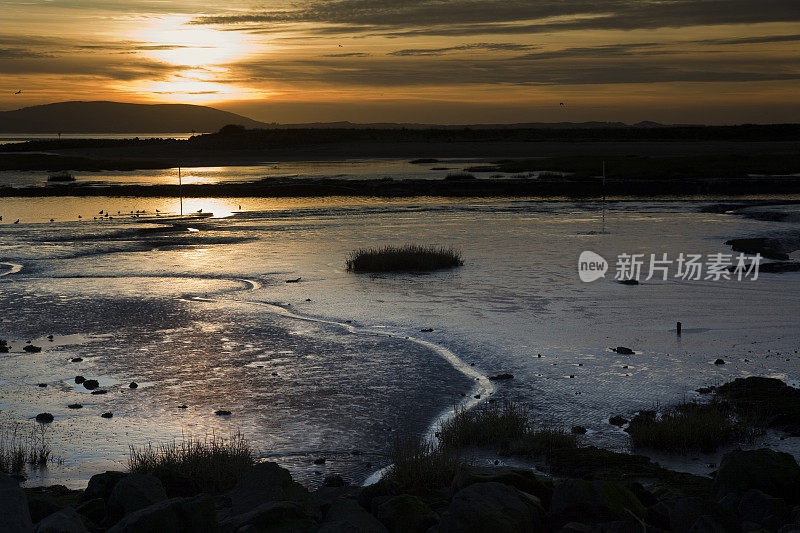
(469, 17)
(348, 54)
(491, 47)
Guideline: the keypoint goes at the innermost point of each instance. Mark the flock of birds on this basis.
(106, 215)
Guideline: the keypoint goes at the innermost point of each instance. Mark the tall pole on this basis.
(604, 196)
(180, 188)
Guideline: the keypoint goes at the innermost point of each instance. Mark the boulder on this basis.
(622, 350)
(91, 384)
(101, 485)
(406, 513)
(593, 501)
(519, 478)
(265, 482)
(178, 514)
(577, 527)
(774, 473)
(492, 506)
(79, 380)
(14, 507)
(134, 492)
(760, 508)
(30, 348)
(175, 484)
(64, 521)
(346, 515)
(684, 513)
(578, 430)
(44, 418)
(707, 524)
(40, 508)
(618, 421)
(94, 510)
(278, 516)
(334, 480)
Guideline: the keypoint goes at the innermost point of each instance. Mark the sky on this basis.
(424, 61)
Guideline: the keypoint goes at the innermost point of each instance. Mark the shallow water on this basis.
(205, 318)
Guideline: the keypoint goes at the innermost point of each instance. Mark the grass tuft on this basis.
(421, 464)
(507, 426)
(690, 426)
(407, 258)
(214, 464)
(20, 448)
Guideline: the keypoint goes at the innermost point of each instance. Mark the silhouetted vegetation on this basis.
(418, 463)
(408, 258)
(20, 447)
(214, 464)
(506, 426)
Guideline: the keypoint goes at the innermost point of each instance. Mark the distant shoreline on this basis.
(566, 188)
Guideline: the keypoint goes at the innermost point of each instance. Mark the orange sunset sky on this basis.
(443, 61)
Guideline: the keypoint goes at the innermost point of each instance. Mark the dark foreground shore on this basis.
(433, 489)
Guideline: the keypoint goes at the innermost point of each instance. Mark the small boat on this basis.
(60, 177)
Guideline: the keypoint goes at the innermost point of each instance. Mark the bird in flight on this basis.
(18, 92)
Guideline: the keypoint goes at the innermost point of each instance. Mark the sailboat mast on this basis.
(180, 188)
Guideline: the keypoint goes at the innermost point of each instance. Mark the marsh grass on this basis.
(507, 426)
(407, 258)
(214, 464)
(20, 448)
(691, 426)
(421, 464)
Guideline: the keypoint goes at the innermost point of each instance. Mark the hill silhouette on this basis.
(115, 117)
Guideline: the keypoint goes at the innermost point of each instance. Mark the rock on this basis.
(346, 515)
(265, 482)
(30, 348)
(178, 514)
(426, 330)
(622, 350)
(91, 384)
(184, 406)
(719, 361)
(14, 507)
(593, 501)
(101, 485)
(94, 510)
(319, 461)
(276, 516)
(44, 418)
(175, 484)
(774, 473)
(107, 414)
(501, 377)
(578, 430)
(492, 507)
(760, 508)
(630, 281)
(79, 380)
(521, 479)
(134, 492)
(334, 480)
(324, 496)
(133, 385)
(43, 385)
(75, 406)
(617, 420)
(222, 412)
(707, 524)
(406, 513)
(705, 390)
(577, 527)
(99, 392)
(40, 508)
(77, 359)
(64, 521)
(685, 512)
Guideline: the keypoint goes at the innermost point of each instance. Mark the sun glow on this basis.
(199, 55)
